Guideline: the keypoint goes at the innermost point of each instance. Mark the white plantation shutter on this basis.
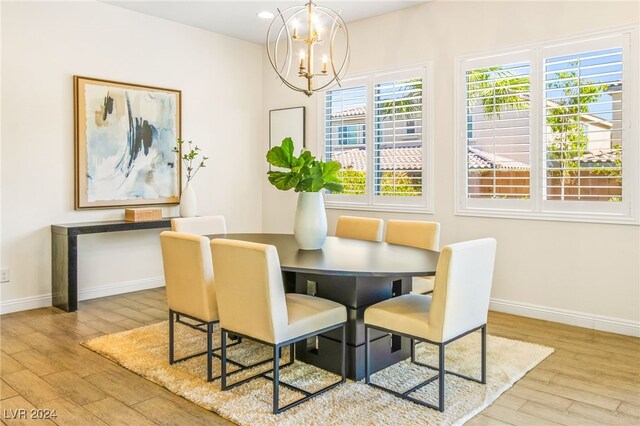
(345, 135)
(397, 121)
(583, 126)
(498, 133)
(375, 127)
(548, 132)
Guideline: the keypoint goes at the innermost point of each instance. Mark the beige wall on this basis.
(571, 272)
(43, 45)
(581, 273)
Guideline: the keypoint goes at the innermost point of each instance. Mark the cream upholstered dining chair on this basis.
(188, 274)
(459, 306)
(200, 225)
(253, 304)
(415, 233)
(359, 228)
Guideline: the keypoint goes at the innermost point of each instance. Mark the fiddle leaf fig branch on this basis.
(306, 173)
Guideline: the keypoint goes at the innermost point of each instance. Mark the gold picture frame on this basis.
(124, 139)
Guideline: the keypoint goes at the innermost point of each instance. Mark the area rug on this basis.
(145, 352)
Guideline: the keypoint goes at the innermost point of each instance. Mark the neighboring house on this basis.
(498, 150)
(399, 159)
(411, 159)
(350, 128)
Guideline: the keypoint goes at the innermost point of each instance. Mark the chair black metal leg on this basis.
(210, 352)
(274, 374)
(483, 378)
(441, 374)
(223, 366)
(343, 356)
(171, 334)
(367, 355)
(441, 367)
(276, 378)
(413, 350)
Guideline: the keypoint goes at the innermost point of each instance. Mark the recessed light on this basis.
(265, 14)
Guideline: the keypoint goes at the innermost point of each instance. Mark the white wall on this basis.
(587, 274)
(43, 45)
(579, 273)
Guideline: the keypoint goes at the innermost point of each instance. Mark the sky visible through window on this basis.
(602, 67)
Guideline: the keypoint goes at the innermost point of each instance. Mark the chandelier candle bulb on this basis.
(324, 64)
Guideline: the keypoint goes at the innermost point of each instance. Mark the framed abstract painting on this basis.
(124, 137)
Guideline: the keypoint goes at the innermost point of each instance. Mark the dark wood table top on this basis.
(343, 256)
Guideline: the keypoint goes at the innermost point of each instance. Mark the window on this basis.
(546, 132)
(374, 126)
(498, 131)
(345, 109)
(583, 126)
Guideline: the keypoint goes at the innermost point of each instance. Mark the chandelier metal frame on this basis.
(285, 38)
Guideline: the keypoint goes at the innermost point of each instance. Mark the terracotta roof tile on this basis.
(351, 112)
(410, 158)
(484, 160)
(600, 156)
(403, 158)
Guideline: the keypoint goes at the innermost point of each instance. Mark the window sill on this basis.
(551, 216)
(379, 208)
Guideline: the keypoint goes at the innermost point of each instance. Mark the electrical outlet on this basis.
(4, 276)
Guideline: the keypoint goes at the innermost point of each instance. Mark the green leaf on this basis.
(284, 181)
(282, 156)
(304, 185)
(316, 172)
(306, 158)
(317, 184)
(331, 169)
(277, 157)
(334, 186)
(307, 174)
(287, 146)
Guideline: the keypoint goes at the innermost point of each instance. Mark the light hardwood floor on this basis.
(593, 378)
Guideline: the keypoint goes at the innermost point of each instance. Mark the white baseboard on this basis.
(25, 304)
(563, 316)
(579, 319)
(42, 301)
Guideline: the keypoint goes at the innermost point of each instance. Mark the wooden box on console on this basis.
(141, 215)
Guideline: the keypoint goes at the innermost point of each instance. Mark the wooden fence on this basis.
(585, 185)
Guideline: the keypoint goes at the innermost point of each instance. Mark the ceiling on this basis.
(239, 18)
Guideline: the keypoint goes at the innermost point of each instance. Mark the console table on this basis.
(64, 254)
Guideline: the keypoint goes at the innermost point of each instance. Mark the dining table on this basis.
(357, 274)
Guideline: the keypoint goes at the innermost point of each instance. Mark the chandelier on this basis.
(319, 37)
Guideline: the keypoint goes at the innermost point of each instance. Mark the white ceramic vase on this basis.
(188, 202)
(310, 228)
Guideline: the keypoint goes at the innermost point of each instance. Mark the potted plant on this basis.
(308, 176)
(191, 163)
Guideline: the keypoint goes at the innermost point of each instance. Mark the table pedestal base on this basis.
(325, 353)
(356, 293)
